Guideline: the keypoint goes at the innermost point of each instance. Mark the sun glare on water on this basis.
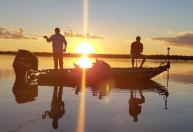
(85, 48)
(84, 62)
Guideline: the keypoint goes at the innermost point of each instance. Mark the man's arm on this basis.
(141, 48)
(131, 50)
(44, 114)
(48, 39)
(65, 44)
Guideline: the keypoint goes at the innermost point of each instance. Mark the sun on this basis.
(85, 48)
(84, 62)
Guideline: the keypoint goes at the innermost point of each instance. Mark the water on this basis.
(111, 109)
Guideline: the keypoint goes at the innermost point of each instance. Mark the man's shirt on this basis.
(136, 48)
(57, 42)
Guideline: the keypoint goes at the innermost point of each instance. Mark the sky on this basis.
(160, 23)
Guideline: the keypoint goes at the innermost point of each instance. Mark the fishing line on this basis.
(28, 122)
(35, 35)
(25, 124)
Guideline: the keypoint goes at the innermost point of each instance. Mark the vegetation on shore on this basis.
(163, 57)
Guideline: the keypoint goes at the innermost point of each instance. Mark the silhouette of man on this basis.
(136, 51)
(57, 107)
(135, 105)
(57, 43)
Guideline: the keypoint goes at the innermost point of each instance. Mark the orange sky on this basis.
(100, 46)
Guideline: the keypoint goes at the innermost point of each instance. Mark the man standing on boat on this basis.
(136, 51)
(57, 43)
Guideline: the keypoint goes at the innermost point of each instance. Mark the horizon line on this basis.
(99, 55)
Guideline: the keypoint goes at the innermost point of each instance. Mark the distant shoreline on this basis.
(124, 56)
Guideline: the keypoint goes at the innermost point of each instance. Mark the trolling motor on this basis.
(167, 61)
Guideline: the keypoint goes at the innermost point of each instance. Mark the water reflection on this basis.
(23, 92)
(57, 107)
(186, 78)
(115, 111)
(135, 89)
(135, 103)
(100, 88)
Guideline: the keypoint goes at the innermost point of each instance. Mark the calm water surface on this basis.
(113, 109)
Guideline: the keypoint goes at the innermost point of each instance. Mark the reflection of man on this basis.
(57, 107)
(135, 105)
(57, 43)
(136, 51)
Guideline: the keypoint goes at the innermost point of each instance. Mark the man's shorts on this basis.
(58, 54)
(138, 56)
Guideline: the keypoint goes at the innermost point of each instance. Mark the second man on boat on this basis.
(136, 51)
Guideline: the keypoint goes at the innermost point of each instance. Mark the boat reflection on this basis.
(101, 88)
(23, 92)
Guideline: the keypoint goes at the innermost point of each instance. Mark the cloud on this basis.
(78, 35)
(169, 32)
(16, 34)
(184, 39)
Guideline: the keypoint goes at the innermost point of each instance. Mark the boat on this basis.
(26, 63)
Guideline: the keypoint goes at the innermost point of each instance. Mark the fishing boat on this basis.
(26, 64)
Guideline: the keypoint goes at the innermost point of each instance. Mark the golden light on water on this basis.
(84, 62)
(107, 89)
(85, 48)
(81, 114)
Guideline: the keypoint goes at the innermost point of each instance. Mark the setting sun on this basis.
(84, 62)
(85, 48)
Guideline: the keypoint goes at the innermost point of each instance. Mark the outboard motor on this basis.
(24, 61)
